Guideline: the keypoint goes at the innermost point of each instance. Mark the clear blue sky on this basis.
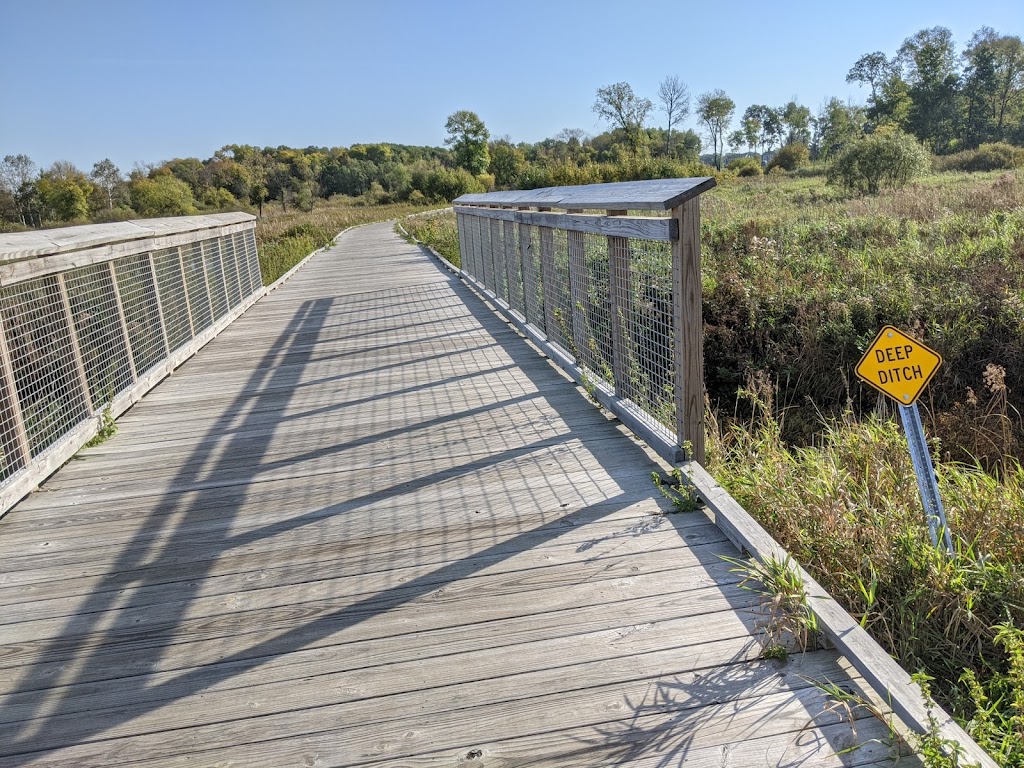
(149, 80)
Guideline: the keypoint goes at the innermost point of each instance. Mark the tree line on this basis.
(946, 102)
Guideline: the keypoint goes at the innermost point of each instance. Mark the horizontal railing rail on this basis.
(617, 295)
(92, 317)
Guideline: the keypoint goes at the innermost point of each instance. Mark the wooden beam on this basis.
(688, 330)
(638, 227)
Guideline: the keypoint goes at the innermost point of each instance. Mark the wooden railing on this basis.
(92, 317)
(616, 296)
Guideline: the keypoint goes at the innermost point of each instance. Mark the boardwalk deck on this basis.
(368, 525)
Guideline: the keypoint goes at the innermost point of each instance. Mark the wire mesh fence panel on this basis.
(173, 299)
(558, 303)
(591, 316)
(498, 258)
(215, 278)
(532, 279)
(230, 265)
(14, 447)
(42, 361)
(482, 233)
(102, 337)
(245, 275)
(252, 259)
(651, 332)
(195, 284)
(142, 314)
(513, 266)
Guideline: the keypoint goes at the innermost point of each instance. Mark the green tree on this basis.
(715, 111)
(467, 136)
(618, 106)
(64, 192)
(871, 69)
(887, 159)
(796, 119)
(108, 178)
(929, 62)
(836, 126)
(507, 164)
(162, 195)
(17, 177)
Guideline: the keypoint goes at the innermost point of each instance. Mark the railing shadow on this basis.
(102, 671)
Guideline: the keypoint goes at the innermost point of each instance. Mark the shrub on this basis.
(884, 160)
(745, 166)
(988, 157)
(791, 157)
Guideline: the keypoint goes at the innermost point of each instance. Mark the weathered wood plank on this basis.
(655, 194)
(641, 228)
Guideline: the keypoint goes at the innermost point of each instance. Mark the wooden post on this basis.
(578, 292)
(159, 304)
(688, 329)
(620, 305)
(123, 322)
(10, 409)
(526, 268)
(548, 281)
(76, 349)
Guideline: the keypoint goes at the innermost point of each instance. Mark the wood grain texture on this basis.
(368, 525)
(656, 194)
(641, 228)
(689, 330)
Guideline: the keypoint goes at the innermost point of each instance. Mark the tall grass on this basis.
(439, 231)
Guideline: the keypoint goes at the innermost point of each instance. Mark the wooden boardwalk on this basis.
(370, 525)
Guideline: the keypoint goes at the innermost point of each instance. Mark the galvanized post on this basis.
(926, 483)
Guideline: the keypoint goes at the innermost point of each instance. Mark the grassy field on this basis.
(798, 278)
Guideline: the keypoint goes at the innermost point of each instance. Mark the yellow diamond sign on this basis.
(898, 365)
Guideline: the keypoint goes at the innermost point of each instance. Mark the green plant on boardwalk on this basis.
(107, 428)
(678, 489)
(787, 614)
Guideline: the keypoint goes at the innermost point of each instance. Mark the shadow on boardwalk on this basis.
(89, 683)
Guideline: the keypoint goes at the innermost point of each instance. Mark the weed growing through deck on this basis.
(107, 429)
(787, 615)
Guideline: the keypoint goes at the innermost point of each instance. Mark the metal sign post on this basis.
(926, 483)
(899, 366)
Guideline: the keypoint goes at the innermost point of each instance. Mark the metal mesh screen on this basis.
(650, 330)
(197, 289)
(142, 314)
(102, 342)
(606, 301)
(230, 265)
(173, 298)
(43, 363)
(72, 342)
(215, 278)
